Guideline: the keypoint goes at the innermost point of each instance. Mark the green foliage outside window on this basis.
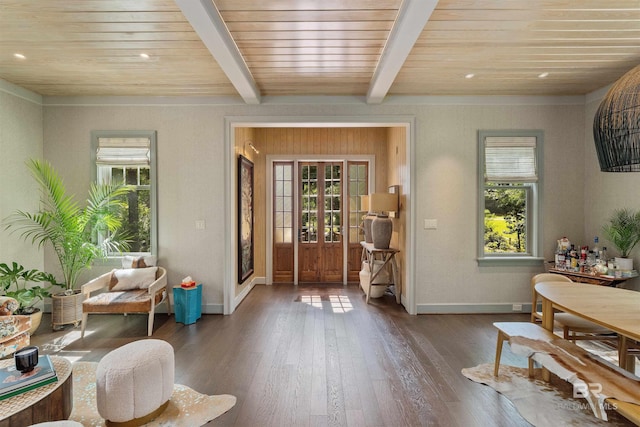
(136, 215)
(505, 219)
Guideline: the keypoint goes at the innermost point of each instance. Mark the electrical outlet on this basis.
(517, 307)
(200, 225)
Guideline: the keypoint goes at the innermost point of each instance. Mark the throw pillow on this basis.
(129, 261)
(8, 306)
(132, 278)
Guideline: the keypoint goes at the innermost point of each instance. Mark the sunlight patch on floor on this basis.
(338, 303)
(61, 342)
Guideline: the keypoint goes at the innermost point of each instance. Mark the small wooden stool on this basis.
(506, 330)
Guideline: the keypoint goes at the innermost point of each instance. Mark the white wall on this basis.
(606, 191)
(191, 175)
(447, 191)
(20, 140)
(190, 180)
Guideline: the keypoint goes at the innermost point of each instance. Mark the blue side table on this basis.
(187, 303)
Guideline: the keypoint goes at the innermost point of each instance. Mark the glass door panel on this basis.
(320, 250)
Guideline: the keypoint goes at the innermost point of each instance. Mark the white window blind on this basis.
(510, 159)
(123, 151)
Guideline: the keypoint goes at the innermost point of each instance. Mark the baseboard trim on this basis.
(162, 309)
(470, 308)
(242, 295)
(213, 309)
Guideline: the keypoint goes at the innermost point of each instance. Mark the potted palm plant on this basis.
(78, 235)
(14, 282)
(623, 231)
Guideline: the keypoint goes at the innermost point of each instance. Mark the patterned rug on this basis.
(540, 403)
(186, 408)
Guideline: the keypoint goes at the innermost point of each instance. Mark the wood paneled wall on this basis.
(305, 141)
(327, 141)
(397, 175)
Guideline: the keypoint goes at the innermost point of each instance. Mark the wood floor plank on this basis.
(318, 355)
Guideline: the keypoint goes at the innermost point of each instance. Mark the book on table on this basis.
(14, 382)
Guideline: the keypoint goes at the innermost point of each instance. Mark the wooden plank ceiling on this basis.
(310, 47)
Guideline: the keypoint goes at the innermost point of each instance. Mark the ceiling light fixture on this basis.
(469, 76)
(19, 56)
(615, 127)
(144, 56)
(543, 75)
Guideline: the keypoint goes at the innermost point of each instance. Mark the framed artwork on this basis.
(245, 218)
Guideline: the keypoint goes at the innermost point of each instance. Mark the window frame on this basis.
(534, 253)
(153, 182)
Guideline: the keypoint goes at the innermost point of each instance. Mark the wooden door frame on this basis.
(297, 159)
(232, 297)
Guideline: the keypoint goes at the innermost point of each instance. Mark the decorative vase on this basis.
(381, 229)
(366, 225)
(66, 309)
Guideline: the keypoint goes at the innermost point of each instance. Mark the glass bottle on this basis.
(596, 249)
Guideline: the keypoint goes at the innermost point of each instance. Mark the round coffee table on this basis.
(51, 402)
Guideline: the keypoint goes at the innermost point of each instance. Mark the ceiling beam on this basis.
(412, 17)
(205, 19)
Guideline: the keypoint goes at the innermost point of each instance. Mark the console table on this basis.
(591, 278)
(50, 402)
(388, 256)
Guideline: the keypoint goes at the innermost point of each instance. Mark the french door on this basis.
(317, 214)
(320, 221)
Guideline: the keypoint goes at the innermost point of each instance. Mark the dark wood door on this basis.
(320, 251)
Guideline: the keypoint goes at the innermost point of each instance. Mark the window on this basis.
(358, 187)
(283, 206)
(129, 157)
(510, 194)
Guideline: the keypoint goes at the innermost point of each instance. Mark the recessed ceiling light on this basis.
(19, 56)
(469, 76)
(144, 55)
(543, 75)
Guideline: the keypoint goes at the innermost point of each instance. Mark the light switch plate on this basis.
(200, 225)
(430, 224)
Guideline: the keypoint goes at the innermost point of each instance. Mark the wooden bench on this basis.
(544, 342)
(506, 330)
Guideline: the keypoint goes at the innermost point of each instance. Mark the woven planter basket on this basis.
(66, 309)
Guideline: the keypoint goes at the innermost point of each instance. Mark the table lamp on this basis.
(382, 226)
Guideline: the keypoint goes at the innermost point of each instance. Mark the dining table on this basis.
(616, 309)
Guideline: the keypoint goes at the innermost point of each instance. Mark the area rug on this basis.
(186, 408)
(540, 403)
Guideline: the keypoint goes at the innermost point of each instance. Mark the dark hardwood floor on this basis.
(319, 356)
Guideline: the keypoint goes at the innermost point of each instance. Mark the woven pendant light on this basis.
(616, 127)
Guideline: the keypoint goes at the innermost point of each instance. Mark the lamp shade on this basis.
(616, 126)
(383, 202)
(364, 203)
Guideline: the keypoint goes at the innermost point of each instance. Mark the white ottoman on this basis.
(134, 382)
